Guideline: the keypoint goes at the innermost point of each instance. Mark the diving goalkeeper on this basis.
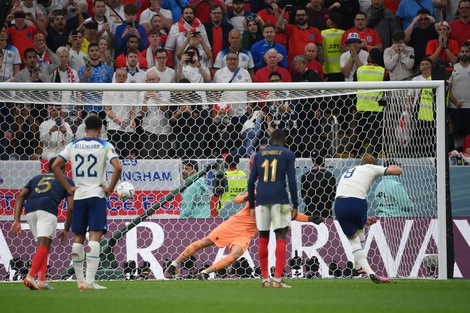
(236, 232)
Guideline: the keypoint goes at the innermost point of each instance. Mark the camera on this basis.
(130, 24)
(196, 34)
(290, 8)
(191, 55)
(72, 10)
(60, 12)
(35, 70)
(58, 122)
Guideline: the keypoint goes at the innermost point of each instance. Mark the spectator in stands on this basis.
(420, 32)
(134, 73)
(301, 71)
(260, 48)
(32, 71)
(273, 57)
(244, 56)
(299, 34)
(370, 38)
(317, 14)
(91, 34)
(54, 133)
(78, 58)
(281, 114)
(347, 9)
(11, 61)
(269, 15)
(233, 73)
(191, 68)
(132, 44)
(332, 52)
(351, 60)
(76, 18)
(420, 101)
(157, 25)
(165, 73)
(187, 121)
(443, 48)
(461, 26)
(25, 134)
(252, 33)
(155, 124)
(239, 15)
(81, 130)
(115, 11)
(57, 33)
(106, 27)
(44, 54)
(156, 9)
(32, 8)
(399, 59)
(382, 20)
(106, 52)
(195, 199)
(221, 137)
(94, 72)
(217, 29)
(407, 9)
(311, 54)
(64, 74)
(202, 8)
(120, 118)
(176, 7)
(154, 45)
(369, 109)
(21, 34)
(179, 32)
(5, 73)
(196, 41)
(130, 27)
(459, 96)
(318, 189)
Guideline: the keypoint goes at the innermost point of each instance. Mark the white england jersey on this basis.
(356, 181)
(89, 157)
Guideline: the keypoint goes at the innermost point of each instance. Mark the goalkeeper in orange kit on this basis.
(236, 232)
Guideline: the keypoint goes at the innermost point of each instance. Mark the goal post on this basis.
(320, 119)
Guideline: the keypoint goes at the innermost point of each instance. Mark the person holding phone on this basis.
(54, 133)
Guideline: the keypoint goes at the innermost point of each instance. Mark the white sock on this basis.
(174, 264)
(360, 257)
(362, 237)
(92, 261)
(78, 258)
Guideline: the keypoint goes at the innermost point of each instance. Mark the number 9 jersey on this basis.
(89, 157)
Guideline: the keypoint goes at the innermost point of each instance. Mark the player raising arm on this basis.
(89, 157)
(236, 233)
(43, 194)
(351, 208)
(271, 167)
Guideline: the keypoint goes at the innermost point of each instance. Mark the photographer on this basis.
(129, 27)
(190, 67)
(194, 39)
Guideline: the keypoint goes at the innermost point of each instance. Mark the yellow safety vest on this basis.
(368, 100)
(237, 183)
(331, 50)
(426, 99)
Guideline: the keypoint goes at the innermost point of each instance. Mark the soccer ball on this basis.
(125, 190)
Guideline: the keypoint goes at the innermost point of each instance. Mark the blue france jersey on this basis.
(89, 157)
(271, 167)
(46, 193)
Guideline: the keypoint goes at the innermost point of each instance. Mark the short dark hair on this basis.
(28, 50)
(129, 51)
(51, 161)
(275, 74)
(278, 137)
(368, 159)
(93, 122)
(93, 44)
(423, 11)
(130, 9)
(191, 163)
(154, 31)
(398, 35)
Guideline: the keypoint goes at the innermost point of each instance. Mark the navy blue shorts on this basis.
(351, 214)
(89, 214)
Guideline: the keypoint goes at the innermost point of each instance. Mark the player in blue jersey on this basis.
(273, 167)
(351, 208)
(43, 194)
(89, 157)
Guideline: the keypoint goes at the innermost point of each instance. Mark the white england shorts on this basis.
(42, 224)
(276, 216)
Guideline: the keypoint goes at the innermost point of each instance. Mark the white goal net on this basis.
(156, 128)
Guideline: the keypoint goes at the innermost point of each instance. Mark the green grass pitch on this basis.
(242, 296)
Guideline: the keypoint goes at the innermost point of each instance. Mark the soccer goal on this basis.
(157, 127)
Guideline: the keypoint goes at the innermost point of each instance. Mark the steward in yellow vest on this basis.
(332, 48)
(232, 183)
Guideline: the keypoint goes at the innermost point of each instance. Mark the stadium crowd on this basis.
(221, 41)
